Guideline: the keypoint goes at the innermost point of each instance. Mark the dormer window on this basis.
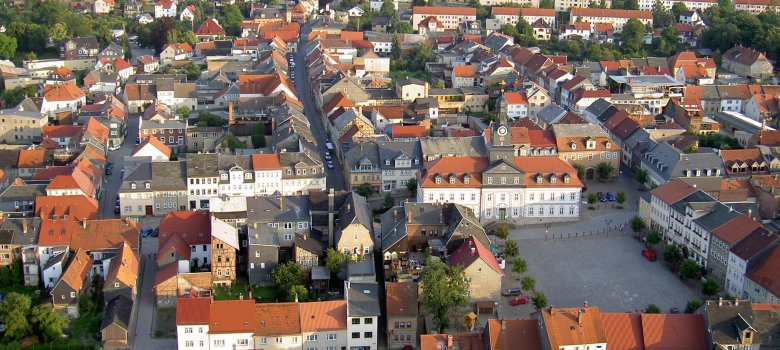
(566, 178)
(466, 179)
(248, 176)
(590, 144)
(553, 179)
(608, 144)
(452, 179)
(539, 178)
(132, 186)
(387, 161)
(148, 185)
(416, 161)
(717, 172)
(223, 176)
(698, 172)
(572, 145)
(438, 179)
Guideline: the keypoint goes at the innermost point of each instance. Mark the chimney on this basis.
(281, 202)
(349, 207)
(579, 316)
(473, 250)
(250, 293)
(230, 113)
(296, 296)
(24, 226)
(449, 341)
(305, 236)
(409, 217)
(736, 301)
(395, 214)
(241, 296)
(585, 304)
(83, 223)
(552, 310)
(503, 325)
(441, 216)
(720, 301)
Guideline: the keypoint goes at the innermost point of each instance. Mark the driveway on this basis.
(335, 176)
(112, 183)
(608, 272)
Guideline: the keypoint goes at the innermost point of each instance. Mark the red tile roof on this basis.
(541, 138)
(547, 166)
(56, 232)
(154, 142)
(736, 229)
(194, 227)
(192, 311)
(441, 10)
(401, 299)
(408, 131)
(673, 191)
(62, 131)
(463, 71)
(123, 266)
(465, 256)
(262, 162)
(77, 271)
(573, 326)
(522, 11)
(31, 158)
(105, 234)
(463, 341)
(610, 13)
(508, 334)
(673, 331)
(459, 166)
(623, 330)
(232, 316)
(766, 274)
(63, 92)
(75, 206)
(210, 27)
(515, 98)
(75, 180)
(323, 316)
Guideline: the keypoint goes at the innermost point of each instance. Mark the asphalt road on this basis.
(335, 176)
(114, 181)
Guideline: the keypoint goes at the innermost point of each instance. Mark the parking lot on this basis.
(608, 272)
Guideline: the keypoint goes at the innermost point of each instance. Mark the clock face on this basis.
(502, 130)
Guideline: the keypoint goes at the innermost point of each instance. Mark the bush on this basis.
(653, 237)
(692, 306)
(690, 269)
(592, 198)
(652, 309)
(511, 248)
(502, 231)
(519, 266)
(539, 300)
(637, 224)
(710, 287)
(672, 254)
(528, 283)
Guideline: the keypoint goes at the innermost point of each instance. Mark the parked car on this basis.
(327, 156)
(519, 300)
(611, 196)
(674, 310)
(649, 254)
(116, 209)
(511, 292)
(602, 196)
(330, 164)
(108, 171)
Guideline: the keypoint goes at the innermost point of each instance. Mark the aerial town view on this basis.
(390, 174)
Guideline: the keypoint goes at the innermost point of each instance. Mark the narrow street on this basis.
(112, 183)
(335, 176)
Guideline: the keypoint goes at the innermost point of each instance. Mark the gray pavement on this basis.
(112, 183)
(335, 176)
(143, 329)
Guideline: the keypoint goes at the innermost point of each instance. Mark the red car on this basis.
(649, 254)
(519, 300)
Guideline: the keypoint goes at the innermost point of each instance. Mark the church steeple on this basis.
(501, 140)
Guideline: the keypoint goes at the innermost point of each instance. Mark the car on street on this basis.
(674, 310)
(519, 300)
(330, 164)
(116, 209)
(110, 165)
(602, 196)
(327, 156)
(611, 196)
(511, 292)
(109, 172)
(649, 254)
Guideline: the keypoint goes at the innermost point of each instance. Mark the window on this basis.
(331, 336)
(189, 343)
(355, 335)
(279, 340)
(243, 342)
(72, 294)
(188, 330)
(368, 320)
(368, 334)
(355, 321)
(311, 337)
(219, 342)
(263, 341)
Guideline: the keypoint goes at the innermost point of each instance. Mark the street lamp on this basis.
(607, 221)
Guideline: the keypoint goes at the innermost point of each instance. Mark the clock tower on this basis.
(501, 141)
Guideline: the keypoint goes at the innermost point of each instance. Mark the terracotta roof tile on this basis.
(547, 167)
(459, 166)
(401, 299)
(75, 206)
(515, 98)
(31, 158)
(408, 131)
(736, 229)
(156, 143)
(75, 180)
(56, 232)
(766, 274)
(670, 331)
(508, 334)
(673, 191)
(610, 13)
(124, 266)
(573, 326)
(232, 316)
(63, 92)
(77, 270)
(105, 233)
(323, 316)
(463, 71)
(464, 341)
(194, 227)
(623, 330)
(465, 257)
(192, 311)
(441, 10)
(210, 27)
(272, 319)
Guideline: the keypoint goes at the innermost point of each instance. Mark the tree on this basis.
(641, 176)
(528, 283)
(502, 231)
(160, 32)
(387, 9)
(652, 309)
(287, 275)
(443, 288)
(511, 248)
(632, 35)
(58, 31)
(519, 266)
(192, 71)
(692, 306)
(298, 292)
(710, 287)
(539, 301)
(14, 311)
(592, 198)
(605, 170)
(672, 254)
(677, 10)
(621, 197)
(7, 46)
(365, 190)
(661, 16)
(205, 118)
(669, 42)
(395, 50)
(547, 4)
(580, 170)
(689, 269)
(389, 201)
(334, 259)
(233, 19)
(631, 4)
(411, 186)
(653, 237)
(183, 112)
(48, 322)
(637, 224)
(403, 28)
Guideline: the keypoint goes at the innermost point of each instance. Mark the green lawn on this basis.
(265, 293)
(32, 292)
(231, 293)
(422, 75)
(85, 328)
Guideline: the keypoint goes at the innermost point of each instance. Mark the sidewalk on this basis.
(576, 229)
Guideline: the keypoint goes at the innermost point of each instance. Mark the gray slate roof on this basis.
(23, 192)
(277, 208)
(169, 176)
(362, 299)
(394, 149)
(202, 165)
(676, 163)
(726, 319)
(118, 312)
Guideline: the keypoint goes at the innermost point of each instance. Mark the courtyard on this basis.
(605, 271)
